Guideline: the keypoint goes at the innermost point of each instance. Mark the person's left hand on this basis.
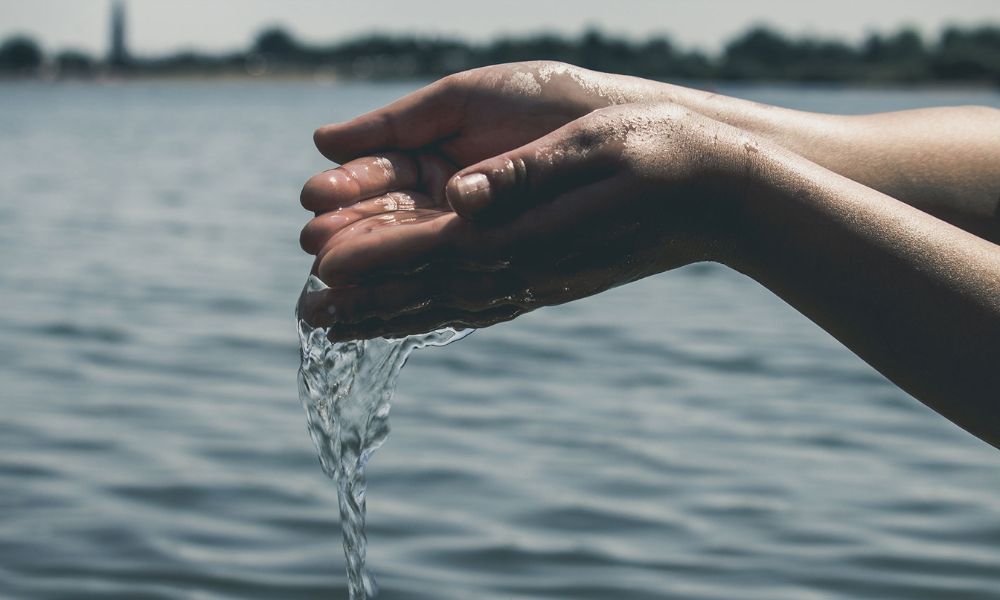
(617, 195)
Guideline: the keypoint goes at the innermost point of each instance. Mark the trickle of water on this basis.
(346, 389)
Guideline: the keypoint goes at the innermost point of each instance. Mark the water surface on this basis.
(689, 436)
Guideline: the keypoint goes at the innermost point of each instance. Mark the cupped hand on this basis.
(616, 195)
(476, 114)
(420, 141)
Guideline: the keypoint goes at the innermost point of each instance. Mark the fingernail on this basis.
(473, 190)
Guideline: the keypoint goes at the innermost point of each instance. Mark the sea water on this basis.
(346, 389)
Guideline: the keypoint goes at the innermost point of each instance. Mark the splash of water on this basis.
(346, 389)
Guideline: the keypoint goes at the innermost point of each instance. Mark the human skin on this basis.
(403, 261)
(941, 160)
(626, 191)
(944, 160)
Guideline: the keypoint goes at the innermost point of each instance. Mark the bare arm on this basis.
(915, 297)
(623, 192)
(945, 161)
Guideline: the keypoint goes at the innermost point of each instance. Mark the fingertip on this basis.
(317, 308)
(343, 142)
(331, 272)
(322, 269)
(318, 135)
(313, 192)
(327, 191)
(469, 194)
(324, 140)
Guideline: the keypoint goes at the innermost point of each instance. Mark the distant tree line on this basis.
(761, 53)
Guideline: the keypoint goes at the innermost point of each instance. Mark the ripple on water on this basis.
(768, 461)
(77, 331)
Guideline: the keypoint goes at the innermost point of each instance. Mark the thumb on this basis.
(506, 185)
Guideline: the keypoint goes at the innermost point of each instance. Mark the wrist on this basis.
(760, 179)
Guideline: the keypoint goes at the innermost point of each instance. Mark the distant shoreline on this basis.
(329, 80)
(956, 58)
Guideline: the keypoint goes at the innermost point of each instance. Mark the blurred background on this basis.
(688, 436)
(857, 41)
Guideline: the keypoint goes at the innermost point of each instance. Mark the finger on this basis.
(372, 176)
(351, 304)
(423, 322)
(321, 228)
(357, 180)
(435, 172)
(548, 229)
(570, 157)
(372, 245)
(419, 119)
(394, 297)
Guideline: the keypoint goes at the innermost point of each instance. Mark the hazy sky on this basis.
(162, 25)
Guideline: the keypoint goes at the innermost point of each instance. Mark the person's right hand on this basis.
(476, 114)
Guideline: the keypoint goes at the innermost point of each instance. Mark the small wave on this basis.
(77, 331)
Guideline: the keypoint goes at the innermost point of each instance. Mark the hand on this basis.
(465, 118)
(479, 113)
(619, 194)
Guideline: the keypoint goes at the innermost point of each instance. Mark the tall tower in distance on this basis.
(118, 53)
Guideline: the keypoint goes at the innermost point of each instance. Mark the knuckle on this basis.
(461, 79)
(586, 138)
(399, 168)
(520, 173)
(672, 111)
(450, 82)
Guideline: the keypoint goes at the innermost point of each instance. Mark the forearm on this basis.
(945, 161)
(915, 297)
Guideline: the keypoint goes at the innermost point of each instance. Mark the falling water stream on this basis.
(346, 388)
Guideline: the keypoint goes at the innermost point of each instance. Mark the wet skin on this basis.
(500, 190)
(614, 211)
